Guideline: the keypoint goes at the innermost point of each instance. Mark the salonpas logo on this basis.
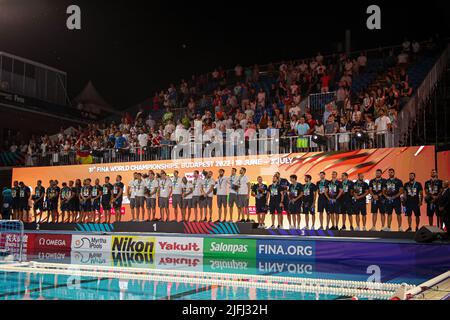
(228, 264)
(230, 247)
(227, 247)
(133, 244)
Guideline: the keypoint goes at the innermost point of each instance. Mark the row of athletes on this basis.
(78, 202)
(83, 202)
(345, 198)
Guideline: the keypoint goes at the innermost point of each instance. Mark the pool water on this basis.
(35, 286)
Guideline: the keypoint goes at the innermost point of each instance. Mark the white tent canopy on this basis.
(91, 101)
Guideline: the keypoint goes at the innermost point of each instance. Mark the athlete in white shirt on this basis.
(186, 190)
(208, 193)
(222, 194)
(243, 196)
(176, 193)
(151, 189)
(131, 193)
(232, 200)
(139, 186)
(164, 193)
(197, 185)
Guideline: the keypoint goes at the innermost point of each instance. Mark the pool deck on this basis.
(439, 290)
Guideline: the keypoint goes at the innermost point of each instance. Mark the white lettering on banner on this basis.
(279, 267)
(91, 243)
(226, 247)
(218, 265)
(189, 164)
(291, 250)
(52, 242)
(179, 245)
(12, 241)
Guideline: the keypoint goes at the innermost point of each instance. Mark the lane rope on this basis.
(309, 285)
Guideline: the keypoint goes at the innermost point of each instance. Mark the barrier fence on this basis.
(286, 144)
(416, 104)
(317, 101)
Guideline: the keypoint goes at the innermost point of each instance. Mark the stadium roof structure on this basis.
(31, 62)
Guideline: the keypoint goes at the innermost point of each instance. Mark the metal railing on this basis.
(317, 101)
(287, 144)
(416, 103)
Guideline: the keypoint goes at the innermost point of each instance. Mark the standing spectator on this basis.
(328, 111)
(406, 45)
(344, 137)
(325, 82)
(382, 125)
(302, 130)
(331, 128)
(142, 138)
(370, 129)
(238, 72)
(120, 141)
(362, 62)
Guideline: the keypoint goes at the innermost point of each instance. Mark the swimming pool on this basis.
(117, 285)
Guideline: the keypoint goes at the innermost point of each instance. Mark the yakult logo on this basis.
(179, 245)
(174, 246)
(178, 261)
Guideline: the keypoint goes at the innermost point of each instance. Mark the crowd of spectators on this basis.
(255, 98)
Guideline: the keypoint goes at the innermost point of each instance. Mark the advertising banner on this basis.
(230, 265)
(234, 248)
(51, 242)
(133, 244)
(92, 243)
(286, 250)
(179, 245)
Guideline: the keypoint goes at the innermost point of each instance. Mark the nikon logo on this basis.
(131, 244)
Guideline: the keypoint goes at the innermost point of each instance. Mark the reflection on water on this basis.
(34, 286)
(31, 286)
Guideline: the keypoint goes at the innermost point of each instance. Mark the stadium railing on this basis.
(287, 144)
(416, 103)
